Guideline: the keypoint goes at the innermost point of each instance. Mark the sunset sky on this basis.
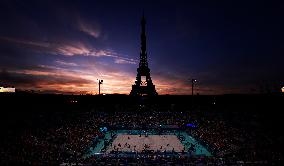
(65, 46)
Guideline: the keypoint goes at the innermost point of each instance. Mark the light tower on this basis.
(192, 85)
(100, 82)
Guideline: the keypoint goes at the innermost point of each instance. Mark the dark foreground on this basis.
(56, 129)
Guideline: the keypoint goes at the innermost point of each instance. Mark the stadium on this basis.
(152, 83)
(123, 130)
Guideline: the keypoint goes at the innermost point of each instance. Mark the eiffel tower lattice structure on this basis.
(143, 84)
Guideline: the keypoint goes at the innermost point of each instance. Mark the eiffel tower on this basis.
(143, 84)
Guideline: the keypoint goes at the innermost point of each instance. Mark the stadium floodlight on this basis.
(100, 82)
(192, 85)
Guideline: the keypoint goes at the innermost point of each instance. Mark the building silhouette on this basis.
(143, 84)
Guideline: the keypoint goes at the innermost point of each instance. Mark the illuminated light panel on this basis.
(7, 90)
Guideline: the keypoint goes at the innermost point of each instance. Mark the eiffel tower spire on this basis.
(143, 84)
(143, 53)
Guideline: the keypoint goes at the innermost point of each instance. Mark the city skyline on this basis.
(66, 46)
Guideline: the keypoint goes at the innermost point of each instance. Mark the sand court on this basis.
(131, 143)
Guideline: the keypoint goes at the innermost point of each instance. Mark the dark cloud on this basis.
(17, 79)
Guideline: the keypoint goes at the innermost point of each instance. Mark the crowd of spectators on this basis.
(227, 141)
(68, 142)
